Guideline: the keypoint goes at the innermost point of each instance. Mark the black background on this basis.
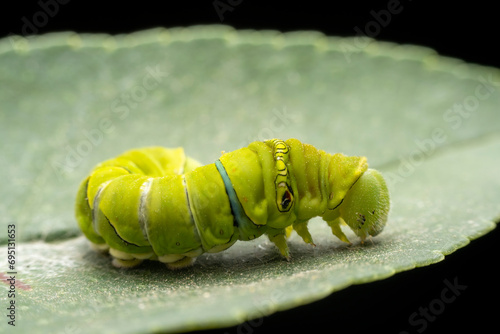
(466, 30)
(469, 31)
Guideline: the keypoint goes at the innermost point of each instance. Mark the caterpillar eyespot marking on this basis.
(155, 203)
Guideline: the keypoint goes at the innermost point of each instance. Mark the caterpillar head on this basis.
(366, 205)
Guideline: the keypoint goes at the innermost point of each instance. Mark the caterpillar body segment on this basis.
(156, 203)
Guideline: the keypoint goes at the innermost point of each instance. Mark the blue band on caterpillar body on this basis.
(247, 228)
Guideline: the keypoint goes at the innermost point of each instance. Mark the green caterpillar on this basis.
(155, 203)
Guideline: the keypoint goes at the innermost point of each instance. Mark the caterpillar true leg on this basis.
(157, 204)
(301, 228)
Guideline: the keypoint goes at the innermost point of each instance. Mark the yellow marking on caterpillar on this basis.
(284, 194)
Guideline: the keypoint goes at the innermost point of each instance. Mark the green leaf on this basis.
(68, 101)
